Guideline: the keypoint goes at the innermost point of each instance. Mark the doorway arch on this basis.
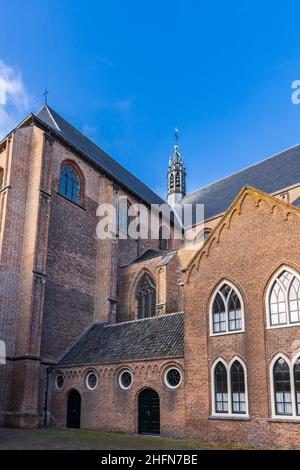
(148, 412)
(73, 409)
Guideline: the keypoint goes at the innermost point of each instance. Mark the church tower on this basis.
(176, 175)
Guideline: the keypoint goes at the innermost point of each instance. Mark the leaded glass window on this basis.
(125, 379)
(284, 299)
(69, 183)
(297, 385)
(146, 297)
(219, 314)
(238, 391)
(221, 388)
(91, 381)
(173, 378)
(282, 388)
(226, 310)
(123, 216)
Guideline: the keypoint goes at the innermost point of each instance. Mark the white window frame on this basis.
(211, 322)
(290, 363)
(171, 387)
(90, 372)
(120, 377)
(230, 414)
(267, 298)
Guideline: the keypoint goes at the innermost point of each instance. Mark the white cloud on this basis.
(14, 98)
(103, 60)
(89, 131)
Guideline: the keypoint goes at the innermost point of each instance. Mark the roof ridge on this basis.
(89, 149)
(250, 190)
(50, 114)
(240, 171)
(143, 319)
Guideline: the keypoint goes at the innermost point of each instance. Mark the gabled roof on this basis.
(271, 175)
(236, 207)
(85, 146)
(156, 337)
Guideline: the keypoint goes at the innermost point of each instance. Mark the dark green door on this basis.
(149, 412)
(74, 409)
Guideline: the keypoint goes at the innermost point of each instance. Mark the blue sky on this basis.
(127, 72)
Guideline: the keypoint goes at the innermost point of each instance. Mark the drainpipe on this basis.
(48, 370)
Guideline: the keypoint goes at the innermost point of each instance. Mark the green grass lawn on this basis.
(54, 438)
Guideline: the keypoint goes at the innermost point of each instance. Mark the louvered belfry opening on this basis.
(146, 297)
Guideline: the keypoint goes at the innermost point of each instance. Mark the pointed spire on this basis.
(176, 174)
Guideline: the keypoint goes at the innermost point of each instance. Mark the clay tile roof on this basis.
(150, 338)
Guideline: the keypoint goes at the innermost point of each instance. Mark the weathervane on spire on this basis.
(45, 95)
(176, 135)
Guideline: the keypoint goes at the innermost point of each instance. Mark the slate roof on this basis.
(61, 127)
(150, 338)
(271, 175)
(148, 254)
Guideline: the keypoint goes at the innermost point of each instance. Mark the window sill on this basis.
(213, 335)
(72, 202)
(286, 325)
(284, 419)
(229, 418)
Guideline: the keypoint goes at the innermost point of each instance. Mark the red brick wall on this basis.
(110, 408)
(251, 246)
(56, 276)
(166, 279)
(129, 279)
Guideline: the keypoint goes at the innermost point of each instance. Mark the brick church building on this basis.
(147, 335)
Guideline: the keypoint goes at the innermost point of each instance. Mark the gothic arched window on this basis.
(69, 183)
(226, 310)
(282, 388)
(285, 382)
(146, 297)
(221, 388)
(229, 388)
(297, 385)
(238, 388)
(284, 299)
(123, 216)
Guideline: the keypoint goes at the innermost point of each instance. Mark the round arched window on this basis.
(59, 381)
(91, 381)
(125, 379)
(173, 378)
